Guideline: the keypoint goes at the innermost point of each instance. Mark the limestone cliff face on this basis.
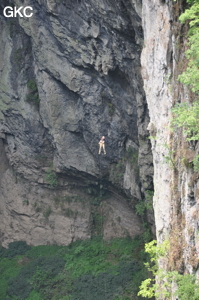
(70, 74)
(175, 183)
(157, 65)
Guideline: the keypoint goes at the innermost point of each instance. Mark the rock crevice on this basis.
(70, 74)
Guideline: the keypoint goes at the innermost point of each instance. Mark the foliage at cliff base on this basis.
(90, 269)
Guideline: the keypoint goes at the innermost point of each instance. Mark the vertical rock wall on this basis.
(70, 74)
(175, 183)
(156, 61)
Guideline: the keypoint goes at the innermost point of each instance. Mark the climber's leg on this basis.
(104, 148)
(100, 148)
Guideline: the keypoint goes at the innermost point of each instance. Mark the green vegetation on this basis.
(9, 268)
(142, 206)
(196, 163)
(187, 287)
(47, 212)
(33, 95)
(190, 76)
(187, 117)
(97, 222)
(147, 235)
(169, 156)
(111, 109)
(21, 285)
(51, 177)
(25, 202)
(86, 270)
(149, 288)
(14, 249)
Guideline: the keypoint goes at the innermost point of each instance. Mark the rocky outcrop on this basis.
(157, 65)
(70, 74)
(175, 182)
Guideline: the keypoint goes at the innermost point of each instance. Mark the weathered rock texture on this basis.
(70, 74)
(175, 183)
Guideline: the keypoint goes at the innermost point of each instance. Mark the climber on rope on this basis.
(102, 145)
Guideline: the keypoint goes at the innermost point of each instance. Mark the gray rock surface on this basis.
(155, 66)
(70, 74)
(176, 189)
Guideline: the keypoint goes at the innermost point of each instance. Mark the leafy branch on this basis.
(187, 286)
(187, 117)
(191, 75)
(51, 177)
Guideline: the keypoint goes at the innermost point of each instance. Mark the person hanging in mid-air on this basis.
(102, 145)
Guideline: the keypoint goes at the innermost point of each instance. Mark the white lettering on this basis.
(10, 12)
(24, 11)
(17, 11)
